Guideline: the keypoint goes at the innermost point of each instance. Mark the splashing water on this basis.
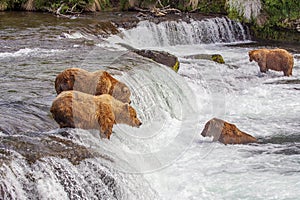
(171, 33)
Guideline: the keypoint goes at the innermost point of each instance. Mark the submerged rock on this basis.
(213, 57)
(34, 148)
(226, 133)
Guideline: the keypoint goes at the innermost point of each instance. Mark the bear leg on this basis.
(262, 67)
(106, 119)
(287, 72)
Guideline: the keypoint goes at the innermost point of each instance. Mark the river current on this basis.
(166, 158)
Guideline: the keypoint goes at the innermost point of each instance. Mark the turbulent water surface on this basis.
(166, 158)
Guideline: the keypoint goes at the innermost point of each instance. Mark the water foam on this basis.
(30, 52)
(171, 33)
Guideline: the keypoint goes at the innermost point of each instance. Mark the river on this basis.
(166, 158)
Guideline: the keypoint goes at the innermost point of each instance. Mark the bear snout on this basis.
(138, 123)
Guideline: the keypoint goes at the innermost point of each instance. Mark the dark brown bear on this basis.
(95, 83)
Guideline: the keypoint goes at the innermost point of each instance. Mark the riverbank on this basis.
(268, 20)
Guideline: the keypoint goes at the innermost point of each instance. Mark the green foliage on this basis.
(124, 4)
(68, 4)
(212, 6)
(105, 4)
(12, 4)
(278, 10)
(273, 33)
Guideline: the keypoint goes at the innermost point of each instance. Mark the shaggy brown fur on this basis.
(226, 133)
(275, 59)
(75, 109)
(95, 83)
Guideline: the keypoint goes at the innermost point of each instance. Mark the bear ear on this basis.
(125, 89)
(126, 106)
(105, 73)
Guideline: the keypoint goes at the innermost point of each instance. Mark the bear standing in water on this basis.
(75, 109)
(275, 59)
(95, 83)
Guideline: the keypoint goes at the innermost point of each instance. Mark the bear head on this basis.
(128, 115)
(254, 55)
(64, 83)
(121, 92)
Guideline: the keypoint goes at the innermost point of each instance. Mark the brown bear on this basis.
(226, 133)
(95, 83)
(275, 59)
(76, 109)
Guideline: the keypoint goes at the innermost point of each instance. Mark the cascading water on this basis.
(166, 158)
(170, 33)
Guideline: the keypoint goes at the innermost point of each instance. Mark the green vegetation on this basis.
(280, 25)
(212, 6)
(77, 5)
(66, 6)
(11, 4)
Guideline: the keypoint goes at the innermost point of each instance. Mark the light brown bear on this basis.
(275, 59)
(76, 109)
(95, 83)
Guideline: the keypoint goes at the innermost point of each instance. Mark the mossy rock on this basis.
(218, 58)
(213, 57)
(176, 66)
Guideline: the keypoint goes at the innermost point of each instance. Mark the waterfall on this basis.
(77, 164)
(171, 33)
(55, 178)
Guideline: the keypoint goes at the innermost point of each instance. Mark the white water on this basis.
(216, 30)
(167, 158)
(238, 93)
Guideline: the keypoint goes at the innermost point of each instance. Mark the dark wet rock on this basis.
(226, 133)
(161, 57)
(34, 148)
(289, 81)
(213, 57)
(281, 139)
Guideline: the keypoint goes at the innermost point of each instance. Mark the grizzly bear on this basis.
(76, 109)
(275, 59)
(95, 83)
(226, 133)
